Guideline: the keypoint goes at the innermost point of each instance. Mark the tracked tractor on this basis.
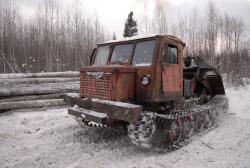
(145, 84)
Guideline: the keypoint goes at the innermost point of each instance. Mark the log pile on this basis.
(36, 90)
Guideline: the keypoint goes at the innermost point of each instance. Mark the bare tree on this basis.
(212, 31)
(160, 19)
(217, 38)
(54, 40)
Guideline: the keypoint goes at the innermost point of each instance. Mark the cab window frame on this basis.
(96, 51)
(153, 55)
(118, 62)
(164, 57)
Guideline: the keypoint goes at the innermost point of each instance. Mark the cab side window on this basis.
(170, 54)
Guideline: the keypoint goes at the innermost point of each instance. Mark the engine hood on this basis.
(112, 82)
(108, 68)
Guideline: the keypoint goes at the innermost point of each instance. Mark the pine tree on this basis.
(130, 26)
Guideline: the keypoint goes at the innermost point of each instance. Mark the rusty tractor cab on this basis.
(146, 84)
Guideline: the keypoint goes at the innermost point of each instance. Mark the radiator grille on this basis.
(96, 88)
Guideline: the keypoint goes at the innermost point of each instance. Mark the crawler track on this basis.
(168, 132)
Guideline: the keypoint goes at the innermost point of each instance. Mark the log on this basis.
(13, 81)
(40, 89)
(35, 97)
(31, 104)
(40, 75)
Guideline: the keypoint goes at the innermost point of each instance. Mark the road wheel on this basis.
(188, 127)
(199, 122)
(208, 121)
(142, 132)
(174, 131)
(215, 116)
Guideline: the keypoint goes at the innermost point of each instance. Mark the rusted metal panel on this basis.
(108, 68)
(157, 88)
(115, 83)
(114, 110)
(125, 86)
(171, 79)
(172, 74)
(126, 82)
(88, 115)
(123, 113)
(144, 92)
(99, 88)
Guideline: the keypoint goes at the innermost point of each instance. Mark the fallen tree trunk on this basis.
(40, 89)
(31, 104)
(35, 97)
(13, 81)
(41, 75)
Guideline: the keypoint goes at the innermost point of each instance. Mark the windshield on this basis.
(144, 52)
(122, 53)
(102, 55)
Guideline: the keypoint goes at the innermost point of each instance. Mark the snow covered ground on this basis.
(52, 138)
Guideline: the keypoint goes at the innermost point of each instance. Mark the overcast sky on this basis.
(113, 13)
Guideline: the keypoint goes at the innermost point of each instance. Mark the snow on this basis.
(89, 112)
(96, 114)
(40, 75)
(240, 101)
(144, 64)
(120, 104)
(131, 38)
(52, 138)
(16, 81)
(72, 94)
(96, 75)
(35, 89)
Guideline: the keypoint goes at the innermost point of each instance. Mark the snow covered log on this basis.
(41, 75)
(40, 89)
(36, 90)
(17, 81)
(31, 104)
(33, 97)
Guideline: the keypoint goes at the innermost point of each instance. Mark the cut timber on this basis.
(31, 104)
(41, 75)
(35, 97)
(46, 88)
(27, 81)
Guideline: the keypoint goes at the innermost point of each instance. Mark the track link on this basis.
(168, 132)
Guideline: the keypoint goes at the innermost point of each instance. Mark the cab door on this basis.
(172, 72)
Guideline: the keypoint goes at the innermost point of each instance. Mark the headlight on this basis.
(146, 80)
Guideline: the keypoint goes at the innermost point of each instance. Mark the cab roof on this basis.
(140, 37)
